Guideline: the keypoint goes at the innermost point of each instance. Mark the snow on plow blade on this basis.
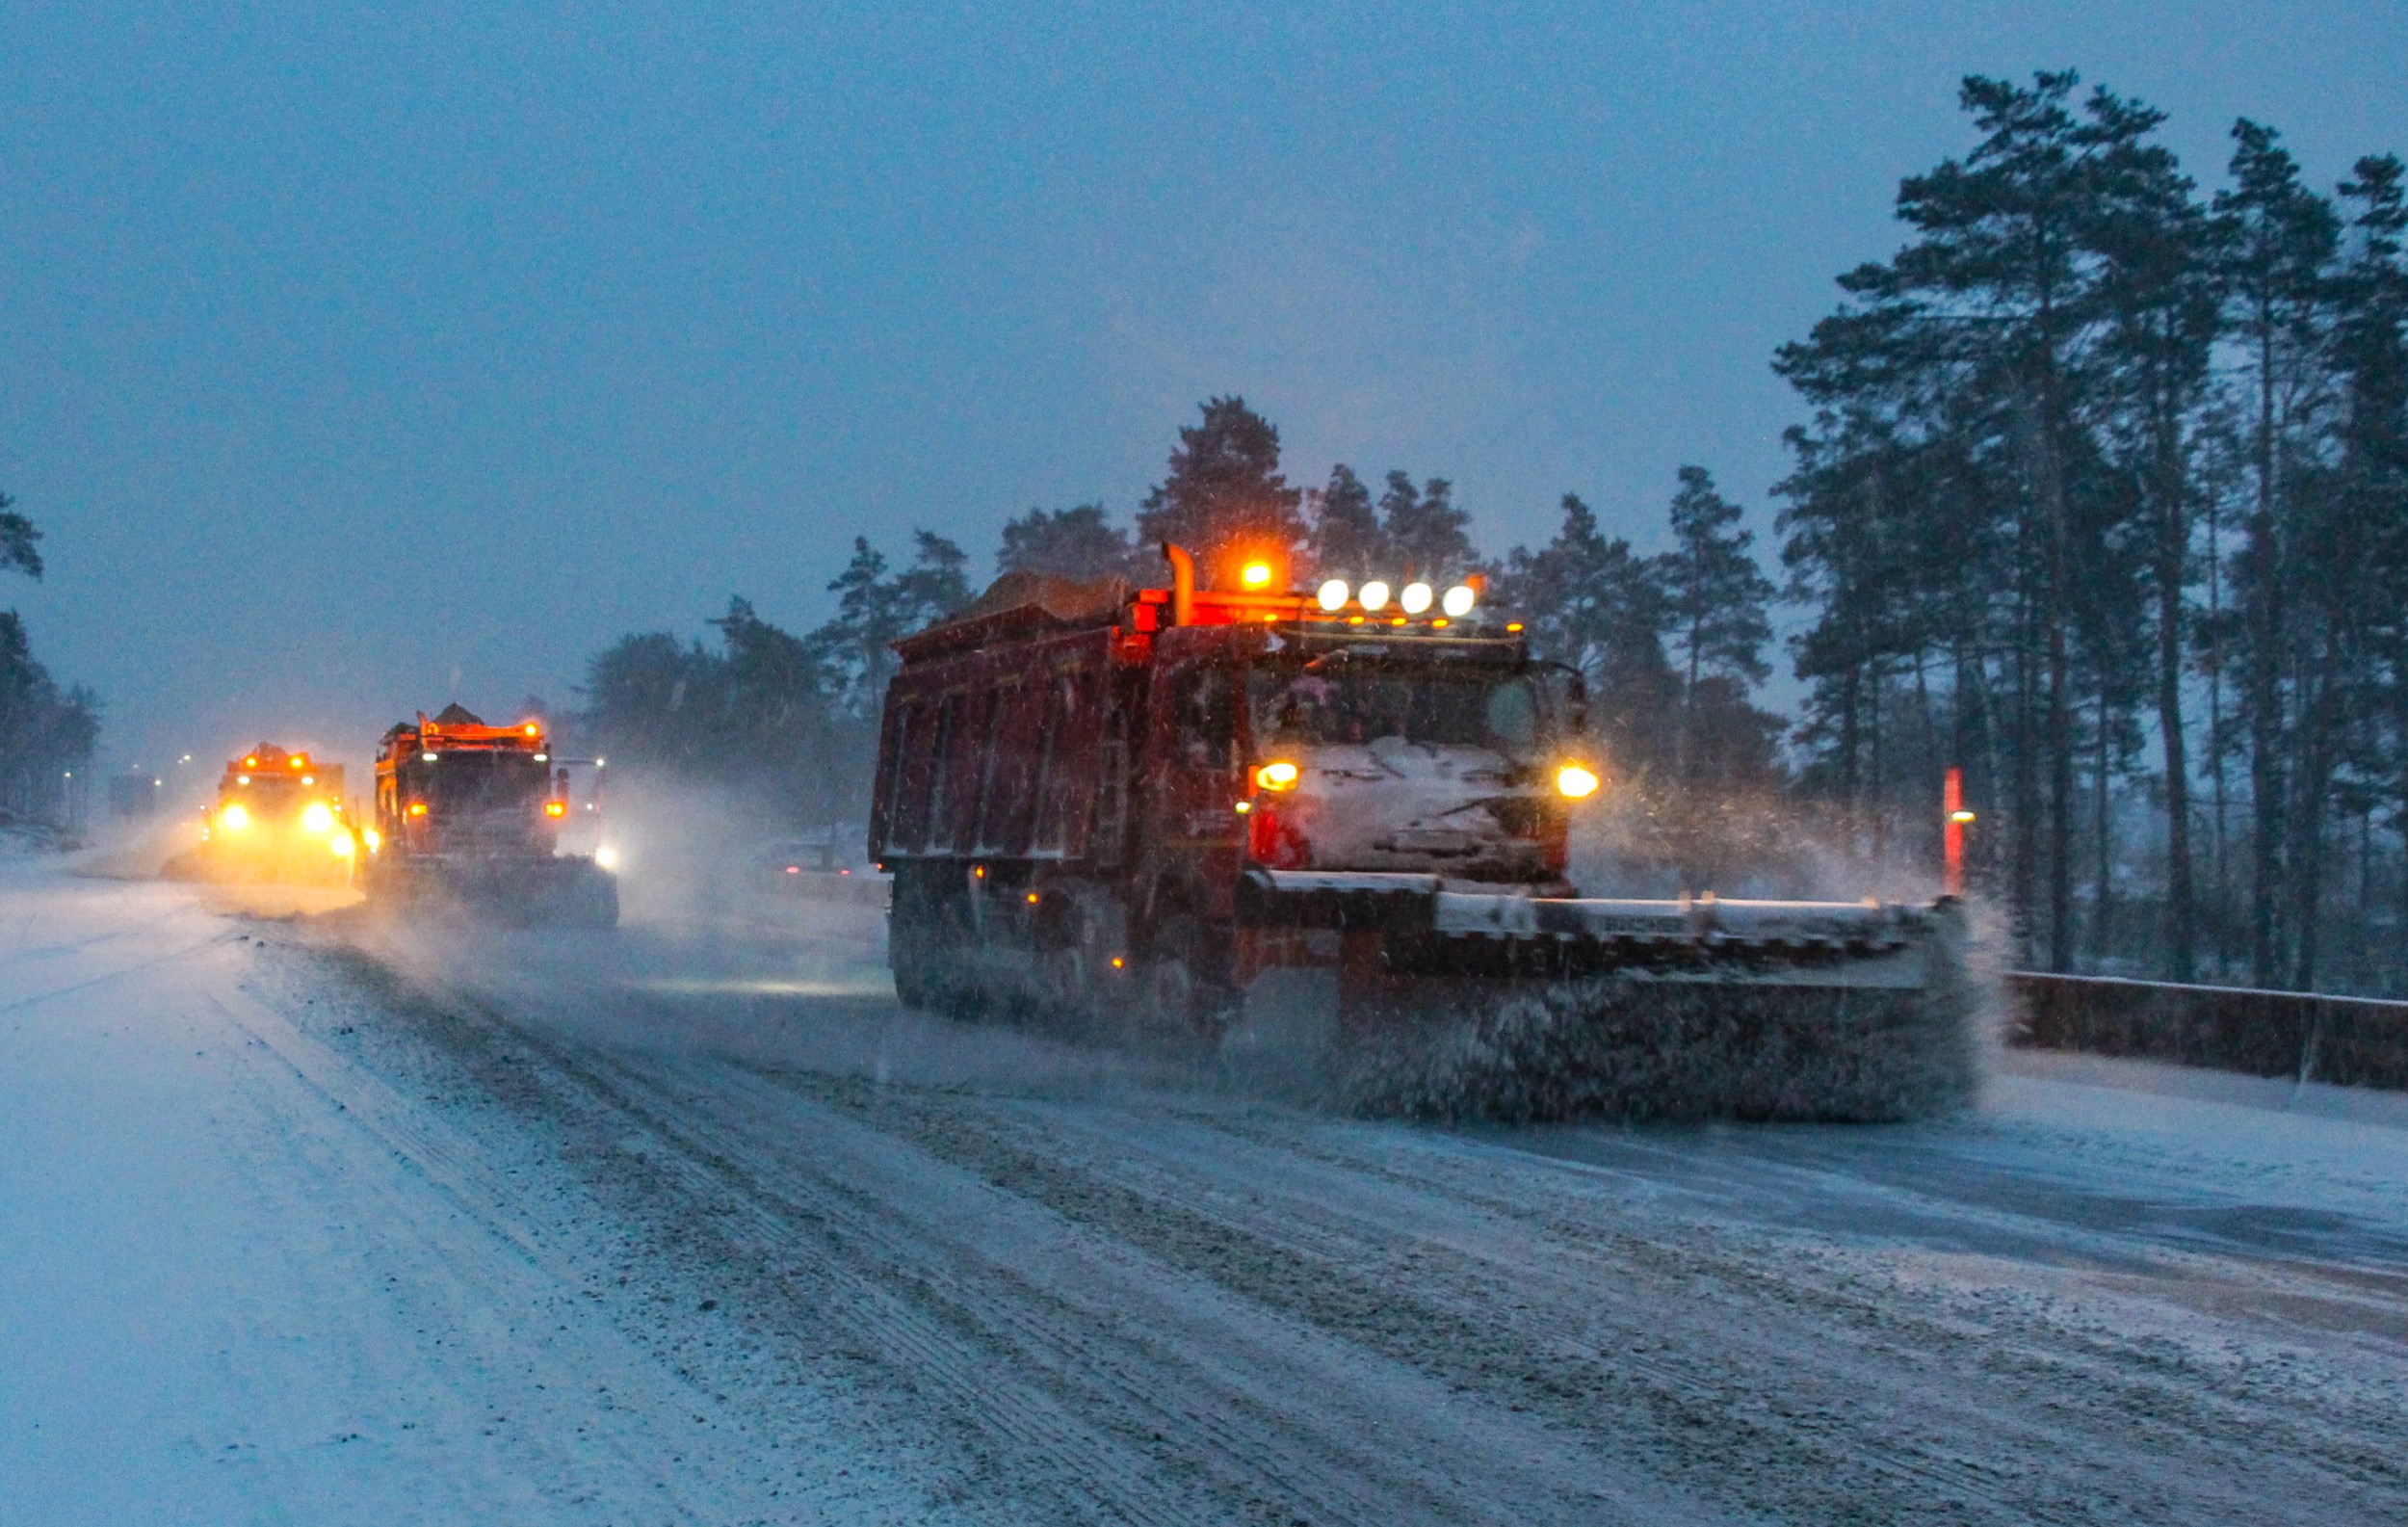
(1506, 1006)
(565, 891)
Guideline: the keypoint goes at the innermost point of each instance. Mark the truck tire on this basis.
(1184, 997)
(915, 939)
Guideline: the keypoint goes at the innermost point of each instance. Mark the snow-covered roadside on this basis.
(337, 1221)
(230, 1291)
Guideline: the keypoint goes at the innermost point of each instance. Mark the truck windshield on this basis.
(1360, 702)
(466, 783)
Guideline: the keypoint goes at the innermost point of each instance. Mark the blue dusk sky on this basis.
(362, 357)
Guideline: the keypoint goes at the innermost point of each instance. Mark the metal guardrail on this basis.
(2350, 1042)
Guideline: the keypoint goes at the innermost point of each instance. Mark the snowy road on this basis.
(314, 1221)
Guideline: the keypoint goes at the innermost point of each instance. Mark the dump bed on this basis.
(1002, 751)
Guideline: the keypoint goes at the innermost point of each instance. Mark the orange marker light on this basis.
(556, 808)
(417, 808)
(1278, 774)
(1513, 625)
(1033, 897)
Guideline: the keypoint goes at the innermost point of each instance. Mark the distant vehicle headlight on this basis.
(317, 817)
(1277, 774)
(340, 844)
(1575, 783)
(607, 856)
(234, 817)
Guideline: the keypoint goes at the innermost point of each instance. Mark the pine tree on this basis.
(1972, 354)
(1076, 542)
(875, 608)
(1714, 594)
(1424, 532)
(2157, 284)
(1714, 604)
(2276, 239)
(17, 536)
(1223, 498)
(1589, 603)
(1348, 540)
(2359, 541)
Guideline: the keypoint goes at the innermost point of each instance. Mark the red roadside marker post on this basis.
(1953, 823)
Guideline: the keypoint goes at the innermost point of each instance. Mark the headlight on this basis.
(1575, 783)
(234, 817)
(1334, 595)
(1277, 774)
(607, 856)
(317, 817)
(373, 838)
(340, 844)
(1373, 595)
(1416, 597)
(1459, 600)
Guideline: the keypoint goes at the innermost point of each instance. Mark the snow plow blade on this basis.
(565, 891)
(1490, 1004)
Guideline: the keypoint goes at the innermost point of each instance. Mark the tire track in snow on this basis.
(1880, 1388)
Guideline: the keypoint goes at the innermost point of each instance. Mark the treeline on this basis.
(2103, 498)
(789, 721)
(1672, 644)
(46, 732)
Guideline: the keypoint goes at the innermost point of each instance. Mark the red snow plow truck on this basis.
(1123, 806)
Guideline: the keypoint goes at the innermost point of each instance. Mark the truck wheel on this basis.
(1067, 995)
(916, 942)
(1182, 1000)
(913, 988)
